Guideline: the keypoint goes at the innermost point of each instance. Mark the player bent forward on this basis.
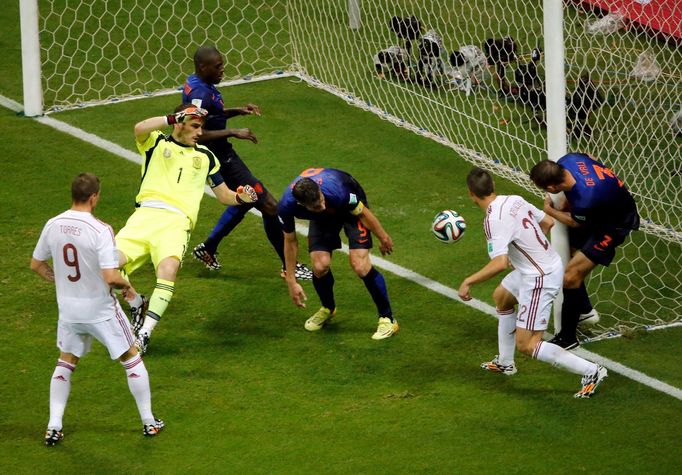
(174, 173)
(515, 231)
(333, 200)
(85, 272)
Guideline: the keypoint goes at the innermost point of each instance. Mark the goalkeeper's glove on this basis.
(190, 113)
(246, 194)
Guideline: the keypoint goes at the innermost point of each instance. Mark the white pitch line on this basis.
(91, 138)
(11, 104)
(378, 261)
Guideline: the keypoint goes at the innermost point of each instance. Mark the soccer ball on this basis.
(448, 226)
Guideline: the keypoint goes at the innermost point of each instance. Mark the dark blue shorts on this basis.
(325, 235)
(599, 246)
(236, 173)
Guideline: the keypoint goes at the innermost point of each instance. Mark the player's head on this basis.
(309, 195)
(190, 129)
(480, 183)
(548, 175)
(208, 64)
(84, 188)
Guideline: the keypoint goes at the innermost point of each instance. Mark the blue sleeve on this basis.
(286, 212)
(200, 93)
(350, 194)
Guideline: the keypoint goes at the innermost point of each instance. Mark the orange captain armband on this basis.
(308, 172)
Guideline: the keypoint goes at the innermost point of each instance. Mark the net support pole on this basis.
(354, 14)
(30, 58)
(556, 116)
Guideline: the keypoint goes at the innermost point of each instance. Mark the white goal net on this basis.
(93, 51)
(418, 64)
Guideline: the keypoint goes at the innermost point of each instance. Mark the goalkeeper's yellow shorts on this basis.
(153, 233)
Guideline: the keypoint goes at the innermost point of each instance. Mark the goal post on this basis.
(30, 58)
(553, 18)
(354, 14)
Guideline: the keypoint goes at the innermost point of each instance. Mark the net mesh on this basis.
(94, 51)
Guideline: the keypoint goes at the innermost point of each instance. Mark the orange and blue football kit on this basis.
(345, 200)
(602, 204)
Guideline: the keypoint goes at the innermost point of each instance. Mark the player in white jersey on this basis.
(515, 231)
(84, 271)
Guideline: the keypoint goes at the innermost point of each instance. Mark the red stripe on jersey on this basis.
(530, 259)
(486, 225)
(502, 206)
(106, 225)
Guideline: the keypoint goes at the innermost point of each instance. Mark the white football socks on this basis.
(506, 339)
(148, 325)
(138, 383)
(557, 356)
(60, 386)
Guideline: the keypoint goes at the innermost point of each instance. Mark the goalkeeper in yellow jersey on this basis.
(175, 170)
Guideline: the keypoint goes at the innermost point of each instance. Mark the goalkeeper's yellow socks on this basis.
(161, 297)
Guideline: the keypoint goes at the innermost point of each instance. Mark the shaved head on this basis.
(203, 54)
(208, 64)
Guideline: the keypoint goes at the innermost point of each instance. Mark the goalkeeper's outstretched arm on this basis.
(243, 195)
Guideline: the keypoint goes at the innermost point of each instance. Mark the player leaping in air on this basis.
(174, 173)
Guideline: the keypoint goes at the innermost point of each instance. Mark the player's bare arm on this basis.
(147, 126)
(296, 292)
(371, 222)
(555, 211)
(115, 280)
(242, 134)
(248, 109)
(243, 194)
(491, 269)
(43, 269)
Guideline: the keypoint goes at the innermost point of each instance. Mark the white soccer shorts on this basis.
(535, 295)
(115, 334)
